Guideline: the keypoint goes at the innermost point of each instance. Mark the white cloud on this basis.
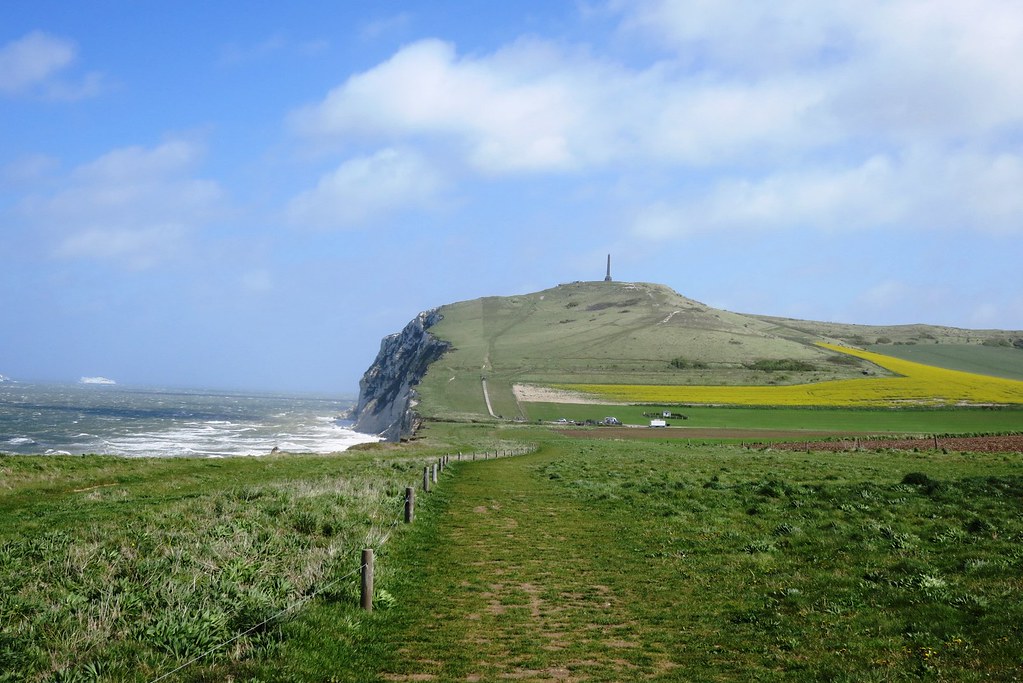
(27, 170)
(921, 191)
(373, 30)
(235, 54)
(34, 62)
(737, 36)
(365, 188)
(257, 281)
(505, 117)
(33, 59)
(784, 115)
(534, 107)
(137, 248)
(134, 206)
(907, 68)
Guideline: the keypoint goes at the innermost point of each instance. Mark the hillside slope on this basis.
(477, 354)
(614, 332)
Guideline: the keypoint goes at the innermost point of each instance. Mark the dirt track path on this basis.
(524, 588)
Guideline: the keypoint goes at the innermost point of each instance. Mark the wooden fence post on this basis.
(366, 601)
(410, 504)
(426, 479)
(434, 473)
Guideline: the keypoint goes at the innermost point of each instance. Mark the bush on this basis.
(917, 479)
(786, 364)
(686, 364)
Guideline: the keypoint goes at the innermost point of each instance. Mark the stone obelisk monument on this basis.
(607, 278)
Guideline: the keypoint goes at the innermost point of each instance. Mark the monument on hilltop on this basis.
(607, 278)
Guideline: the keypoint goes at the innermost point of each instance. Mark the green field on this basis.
(599, 561)
(861, 421)
(588, 560)
(995, 361)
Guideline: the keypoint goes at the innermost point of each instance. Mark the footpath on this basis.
(518, 582)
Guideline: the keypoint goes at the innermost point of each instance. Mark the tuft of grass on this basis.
(128, 580)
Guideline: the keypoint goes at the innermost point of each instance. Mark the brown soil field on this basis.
(970, 444)
(838, 441)
(695, 433)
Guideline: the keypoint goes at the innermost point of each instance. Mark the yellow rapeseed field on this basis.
(918, 384)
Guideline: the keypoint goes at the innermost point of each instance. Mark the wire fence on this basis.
(366, 601)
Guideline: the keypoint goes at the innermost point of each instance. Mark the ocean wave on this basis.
(234, 440)
(69, 419)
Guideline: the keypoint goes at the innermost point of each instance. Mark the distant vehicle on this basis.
(610, 420)
(658, 423)
(561, 421)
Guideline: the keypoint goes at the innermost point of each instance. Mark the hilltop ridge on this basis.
(464, 360)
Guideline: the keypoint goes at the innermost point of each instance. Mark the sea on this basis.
(95, 418)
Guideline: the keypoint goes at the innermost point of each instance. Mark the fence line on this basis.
(367, 562)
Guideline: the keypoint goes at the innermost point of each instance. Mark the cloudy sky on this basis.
(231, 196)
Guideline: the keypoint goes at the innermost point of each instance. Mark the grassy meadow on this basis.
(996, 361)
(611, 561)
(913, 384)
(124, 569)
(589, 560)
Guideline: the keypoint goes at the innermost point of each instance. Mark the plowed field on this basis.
(971, 444)
(838, 441)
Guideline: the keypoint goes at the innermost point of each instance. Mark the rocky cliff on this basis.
(387, 397)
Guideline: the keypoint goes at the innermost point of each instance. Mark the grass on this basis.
(122, 569)
(916, 384)
(976, 358)
(856, 420)
(605, 561)
(587, 560)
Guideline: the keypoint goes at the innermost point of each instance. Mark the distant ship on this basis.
(96, 380)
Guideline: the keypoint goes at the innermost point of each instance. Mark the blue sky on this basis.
(250, 195)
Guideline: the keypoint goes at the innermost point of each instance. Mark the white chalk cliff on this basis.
(387, 397)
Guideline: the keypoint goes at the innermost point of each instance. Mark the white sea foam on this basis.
(169, 424)
(219, 438)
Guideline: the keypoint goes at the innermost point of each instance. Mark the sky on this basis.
(249, 196)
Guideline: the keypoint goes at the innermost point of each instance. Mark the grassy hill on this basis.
(641, 333)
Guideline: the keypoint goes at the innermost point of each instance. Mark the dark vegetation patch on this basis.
(687, 364)
(780, 364)
(602, 305)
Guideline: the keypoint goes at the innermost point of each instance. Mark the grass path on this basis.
(619, 561)
(520, 583)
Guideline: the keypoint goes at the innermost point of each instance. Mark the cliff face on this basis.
(387, 399)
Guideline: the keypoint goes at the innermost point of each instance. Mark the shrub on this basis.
(917, 479)
(685, 364)
(780, 364)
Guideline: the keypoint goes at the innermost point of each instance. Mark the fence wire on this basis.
(330, 584)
